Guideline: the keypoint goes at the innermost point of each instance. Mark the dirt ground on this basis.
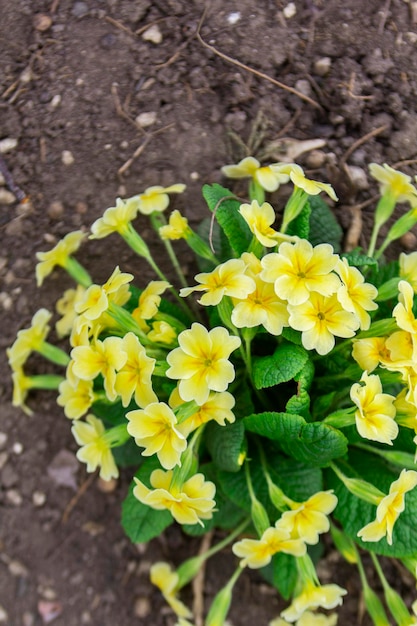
(104, 98)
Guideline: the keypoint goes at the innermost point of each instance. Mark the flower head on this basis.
(29, 339)
(134, 378)
(256, 553)
(369, 352)
(408, 268)
(76, 397)
(166, 579)
(65, 306)
(201, 362)
(189, 503)
(155, 429)
(311, 187)
(355, 295)
(259, 219)
(307, 520)
(320, 320)
(227, 279)
(115, 219)
(312, 597)
(269, 177)
(156, 199)
(177, 227)
(300, 269)
(403, 311)
(149, 300)
(218, 408)
(59, 255)
(376, 412)
(389, 508)
(95, 450)
(392, 182)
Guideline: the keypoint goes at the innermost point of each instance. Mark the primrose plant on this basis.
(273, 400)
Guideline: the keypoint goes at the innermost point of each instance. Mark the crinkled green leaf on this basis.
(141, 523)
(358, 259)
(301, 225)
(228, 216)
(280, 367)
(300, 402)
(324, 227)
(354, 514)
(282, 573)
(227, 445)
(314, 443)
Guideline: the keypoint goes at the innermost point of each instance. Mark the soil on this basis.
(76, 80)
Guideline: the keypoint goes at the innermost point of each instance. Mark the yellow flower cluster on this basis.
(309, 288)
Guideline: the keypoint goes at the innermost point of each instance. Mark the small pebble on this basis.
(14, 497)
(409, 241)
(38, 498)
(142, 607)
(6, 197)
(80, 9)
(3, 615)
(81, 207)
(28, 619)
(147, 118)
(322, 66)
(3, 459)
(42, 22)
(194, 176)
(152, 34)
(56, 210)
(17, 448)
(290, 10)
(56, 101)
(47, 593)
(7, 144)
(2, 180)
(303, 86)
(3, 439)
(316, 158)
(67, 157)
(16, 568)
(234, 17)
(106, 486)
(359, 177)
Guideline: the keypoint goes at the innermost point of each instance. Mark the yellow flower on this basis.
(369, 352)
(149, 300)
(259, 220)
(75, 398)
(95, 450)
(392, 182)
(65, 306)
(403, 311)
(256, 553)
(227, 279)
(134, 378)
(188, 504)
(269, 177)
(408, 268)
(312, 597)
(101, 357)
(389, 508)
(355, 295)
(317, 619)
(163, 577)
(155, 429)
(96, 299)
(29, 339)
(261, 307)
(307, 520)
(201, 362)
(300, 269)
(21, 386)
(58, 255)
(115, 219)
(162, 332)
(156, 199)
(320, 319)
(401, 351)
(177, 227)
(311, 187)
(376, 412)
(217, 408)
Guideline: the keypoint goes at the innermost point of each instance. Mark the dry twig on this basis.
(245, 67)
(198, 582)
(81, 491)
(360, 141)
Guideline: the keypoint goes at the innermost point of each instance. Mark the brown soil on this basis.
(75, 75)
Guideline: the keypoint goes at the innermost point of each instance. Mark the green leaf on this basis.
(111, 413)
(282, 573)
(301, 225)
(354, 514)
(140, 522)
(324, 227)
(210, 231)
(315, 443)
(228, 216)
(280, 367)
(357, 259)
(227, 445)
(128, 454)
(300, 402)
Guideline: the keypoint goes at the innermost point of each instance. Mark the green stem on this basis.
(78, 272)
(158, 220)
(45, 381)
(54, 354)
